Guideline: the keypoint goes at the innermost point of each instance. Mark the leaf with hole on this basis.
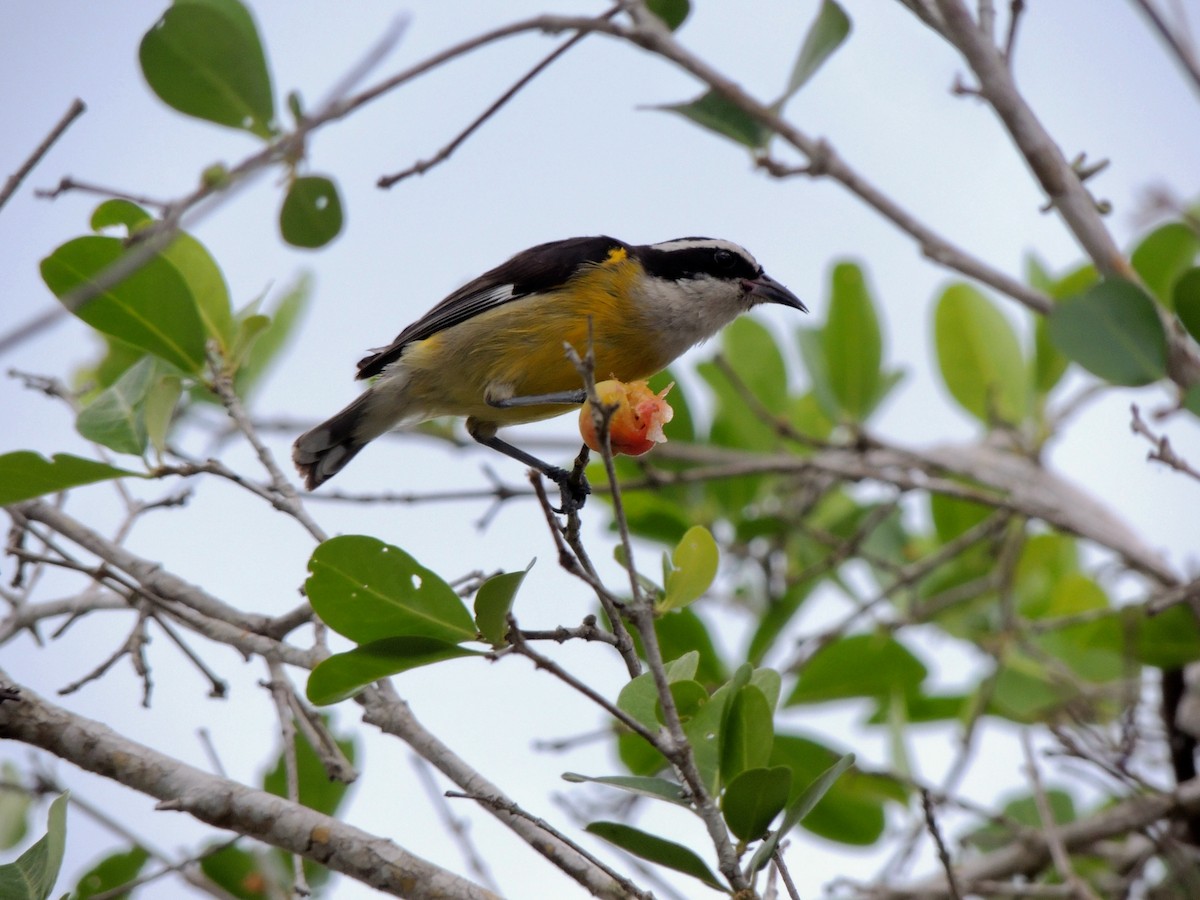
(204, 58)
(311, 215)
(366, 590)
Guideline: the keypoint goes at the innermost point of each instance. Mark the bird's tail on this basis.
(322, 452)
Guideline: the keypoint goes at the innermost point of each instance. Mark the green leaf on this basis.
(35, 871)
(1049, 365)
(694, 566)
(689, 698)
(205, 59)
(318, 790)
(853, 344)
(493, 601)
(343, 675)
(206, 282)
(811, 342)
(718, 114)
(1113, 331)
(241, 874)
(655, 849)
(654, 788)
(1169, 640)
(748, 733)
(114, 418)
(979, 357)
(861, 665)
(365, 590)
(952, 516)
(798, 809)
(258, 348)
(682, 631)
(753, 800)
(111, 872)
(1187, 301)
(25, 474)
(754, 355)
(826, 34)
(1163, 255)
(14, 807)
(120, 213)
(1022, 811)
(152, 309)
(311, 215)
(159, 408)
(672, 12)
(852, 810)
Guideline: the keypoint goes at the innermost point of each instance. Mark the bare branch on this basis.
(74, 111)
(95, 747)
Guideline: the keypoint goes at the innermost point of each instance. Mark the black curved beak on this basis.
(766, 289)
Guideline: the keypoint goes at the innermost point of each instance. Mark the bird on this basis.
(494, 350)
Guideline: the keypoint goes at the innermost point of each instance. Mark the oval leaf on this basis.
(655, 788)
(493, 600)
(367, 590)
(1187, 301)
(1113, 331)
(826, 34)
(748, 734)
(753, 800)
(1163, 255)
(800, 808)
(205, 59)
(979, 357)
(672, 12)
(716, 113)
(853, 344)
(25, 474)
(655, 849)
(862, 665)
(115, 417)
(33, 875)
(311, 215)
(694, 566)
(343, 675)
(152, 309)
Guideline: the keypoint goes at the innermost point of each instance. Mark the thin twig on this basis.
(424, 165)
(940, 843)
(458, 829)
(74, 111)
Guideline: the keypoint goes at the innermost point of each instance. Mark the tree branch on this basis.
(223, 803)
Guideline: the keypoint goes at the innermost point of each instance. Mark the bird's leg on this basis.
(574, 491)
(575, 397)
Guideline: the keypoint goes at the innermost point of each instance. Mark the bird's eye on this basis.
(724, 259)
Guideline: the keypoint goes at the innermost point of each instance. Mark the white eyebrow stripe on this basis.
(692, 243)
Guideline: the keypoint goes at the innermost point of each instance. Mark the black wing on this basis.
(539, 268)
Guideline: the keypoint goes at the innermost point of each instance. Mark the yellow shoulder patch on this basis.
(617, 255)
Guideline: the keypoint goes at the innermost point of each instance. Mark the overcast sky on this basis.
(576, 153)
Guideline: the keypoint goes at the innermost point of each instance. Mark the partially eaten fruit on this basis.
(636, 425)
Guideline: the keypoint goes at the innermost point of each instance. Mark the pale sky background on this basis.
(572, 155)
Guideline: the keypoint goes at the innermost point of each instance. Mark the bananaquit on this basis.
(493, 350)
